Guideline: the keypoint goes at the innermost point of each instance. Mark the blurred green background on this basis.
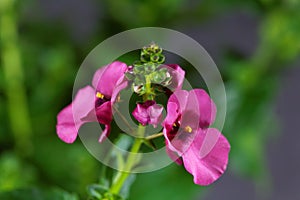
(255, 44)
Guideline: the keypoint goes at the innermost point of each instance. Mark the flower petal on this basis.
(180, 97)
(104, 116)
(207, 108)
(106, 81)
(148, 113)
(177, 159)
(207, 157)
(65, 127)
(140, 114)
(172, 114)
(97, 76)
(186, 133)
(189, 121)
(105, 133)
(120, 85)
(74, 115)
(155, 114)
(177, 77)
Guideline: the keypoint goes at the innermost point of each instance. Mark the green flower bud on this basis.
(145, 57)
(167, 81)
(137, 63)
(152, 53)
(150, 67)
(138, 69)
(161, 59)
(162, 74)
(155, 58)
(129, 76)
(139, 89)
(157, 77)
(158, 50)
(139, 80)
(163, 70)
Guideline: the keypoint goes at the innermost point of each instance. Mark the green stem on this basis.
(131, 161)
(148, 90)
(14, 77)
(123, 118)
(154, 136)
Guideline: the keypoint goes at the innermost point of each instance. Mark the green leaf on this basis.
(96, 191)
(124, 193)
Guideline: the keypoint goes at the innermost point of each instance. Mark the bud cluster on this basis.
(148, 69)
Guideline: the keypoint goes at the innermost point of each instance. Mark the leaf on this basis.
(97, 191)
(124, 193)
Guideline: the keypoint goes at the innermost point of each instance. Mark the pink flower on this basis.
(93, 104)
(148, 113)
(203, 151)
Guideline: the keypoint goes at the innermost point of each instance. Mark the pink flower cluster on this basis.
(189, 139)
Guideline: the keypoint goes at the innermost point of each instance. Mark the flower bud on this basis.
(148, 113)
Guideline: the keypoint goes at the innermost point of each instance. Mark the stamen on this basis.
(99, 95)
(188, 129)
(118, 98)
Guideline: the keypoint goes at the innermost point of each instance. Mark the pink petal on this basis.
(120, 85)
(105, 133)
(175, 107)
(172, 114)
(140, 114)
(155, 114)
(184, 139)
(177, 159)
(74, 115)
(207, 108)
(207, 158)
(106, 81)
(177, 77)
(65, 128)
(97, 76)
(104, 116)
(180, 97)
(189, 119)
(148, 113)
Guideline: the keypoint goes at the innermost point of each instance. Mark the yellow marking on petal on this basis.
(188, 129)
(174, 125)
(99, 95)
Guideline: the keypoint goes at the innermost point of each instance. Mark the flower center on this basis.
(175, 128)
(99, 95)
(188, 129)
(100, 99)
